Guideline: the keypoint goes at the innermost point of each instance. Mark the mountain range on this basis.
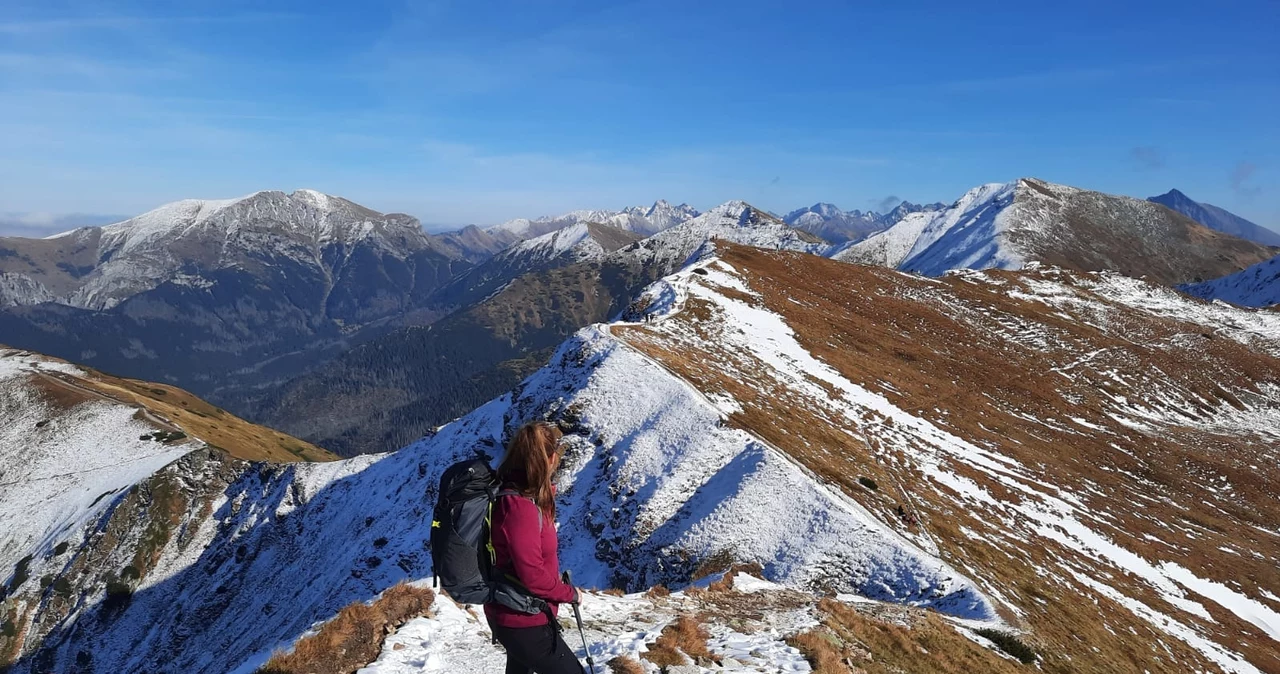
(1217, 219)
(1008, 225)
(355, 330)
(398, 386)
(639, 219)
(837, 226)
(1079, 461)
(220, 295)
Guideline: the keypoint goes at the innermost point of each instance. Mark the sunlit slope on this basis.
(1098, 453)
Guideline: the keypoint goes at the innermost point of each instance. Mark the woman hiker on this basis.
(525, 548)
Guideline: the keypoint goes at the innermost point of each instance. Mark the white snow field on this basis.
(59, 471)
(455, 639)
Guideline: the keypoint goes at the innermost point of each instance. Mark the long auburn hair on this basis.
(526, 464)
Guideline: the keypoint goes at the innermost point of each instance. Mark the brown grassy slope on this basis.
(913, 642)
(683, 640)
(1132, 236)
(993, 370)
(171, 408)
(625, 664)
(873, 637)
(354, 637)
(58, 264)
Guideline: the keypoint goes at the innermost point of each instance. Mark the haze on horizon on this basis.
(459, 113)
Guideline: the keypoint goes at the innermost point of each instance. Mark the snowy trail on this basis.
(456, 639)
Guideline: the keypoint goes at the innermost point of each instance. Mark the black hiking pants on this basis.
(536, 650)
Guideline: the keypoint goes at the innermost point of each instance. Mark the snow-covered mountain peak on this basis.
(735, 209)
(318, 199)
(964, 234)
(1006, 225)
(170, 218)
(1215, 218)
(663, 215)
(735, 221)
(987, 192)
(639, 219)
(185, 241)
(834, 224)
(585, 240)
(305, 213)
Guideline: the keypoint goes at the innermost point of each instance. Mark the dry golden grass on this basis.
(657, 592)
(926, 645)
(171, 408)
(624, 664)
(821, 650)
(903, 641)
(937, 350)
(685, 637)
(354, 637)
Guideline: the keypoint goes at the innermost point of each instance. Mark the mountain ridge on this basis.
(1215, 218)
(838, 226)
(1007, 225)
(396, 387)
(749, 390)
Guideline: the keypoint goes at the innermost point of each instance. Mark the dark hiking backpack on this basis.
(462, 554)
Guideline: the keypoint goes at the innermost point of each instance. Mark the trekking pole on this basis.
(577, 614)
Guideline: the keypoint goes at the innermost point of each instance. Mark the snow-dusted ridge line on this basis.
(969, 233)
(66, 463)
(667, 298)
(1054, 514)
(651, 484)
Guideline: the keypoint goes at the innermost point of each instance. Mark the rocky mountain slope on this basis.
(1118, 437)
(1218, 219)
(581, 242)
(73, 444)
(1084, 458)
(325, 239)
(469, 243)
(1257, 286)
(1009, 225)
(638, 219)
(393, 389)
(838, 226)
(218, 295)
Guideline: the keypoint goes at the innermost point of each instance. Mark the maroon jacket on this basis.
(528, 554)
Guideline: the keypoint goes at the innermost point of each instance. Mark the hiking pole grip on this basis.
(568, 580)
(577, 614)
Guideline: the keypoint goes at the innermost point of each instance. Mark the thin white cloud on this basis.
(86, 23)
(38, 225)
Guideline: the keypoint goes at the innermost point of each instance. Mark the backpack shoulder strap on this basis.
(512, 492)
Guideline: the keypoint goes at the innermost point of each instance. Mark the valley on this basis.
(993, 430)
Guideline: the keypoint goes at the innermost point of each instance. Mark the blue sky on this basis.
(462, 112)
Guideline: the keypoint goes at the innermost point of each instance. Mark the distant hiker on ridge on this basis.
(525, 550)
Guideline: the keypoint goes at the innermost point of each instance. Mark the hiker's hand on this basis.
(577, 596)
